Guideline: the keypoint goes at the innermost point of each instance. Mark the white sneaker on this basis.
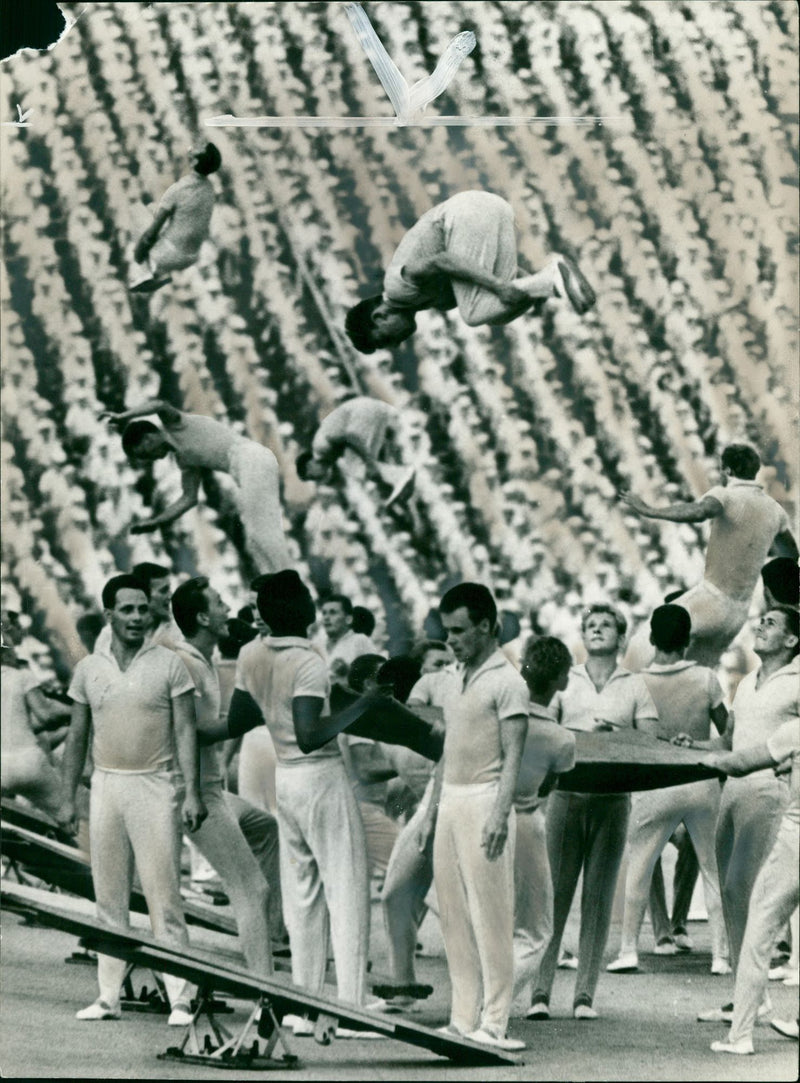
(347, 1032)
(683, 942)
(539, 1010)
(787, 1027)
(567, 961)
(742, 1048)
(666, 946)
(96, 1012)
(584, 1011)
(626, 963)
(725, 1014)
(721, 966)
(485, 1037)
(394, 1005)
(451, 1030)
(180, 1017)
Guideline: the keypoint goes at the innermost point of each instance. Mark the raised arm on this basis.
(74, 758)
(185, 731)
(686, 511)
(190, 481)
(446, 263)
(512, 740)
(167, 414)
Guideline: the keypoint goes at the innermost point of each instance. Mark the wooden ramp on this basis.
(273, 998)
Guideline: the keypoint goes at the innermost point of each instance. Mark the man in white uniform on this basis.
(751, 807)
(281, 680)
(202, 617)
(549, 751)
(586, 831)
(776, 891)
(358, 436)
(688, 699)
(463, 253)
(342, 644)
(486, 719)
(173, 240)
(746, 527)
(138, 701)
(201, 443)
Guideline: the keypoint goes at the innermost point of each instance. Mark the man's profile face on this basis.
(130, 616)
(465, 639)
(334, 619)
(772, 635)
(160, 594)
(600, 635)
(217, 613)
(436, 659)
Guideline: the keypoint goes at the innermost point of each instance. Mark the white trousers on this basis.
(716, 621)
(476, 908)
(775, 895)
(323, 876)
(254, 468)
(479, 228)
(654, 816)
(533, 905)
(221, 842)
(750, 811)
(256, 776)
(408, 879)
(134, 819)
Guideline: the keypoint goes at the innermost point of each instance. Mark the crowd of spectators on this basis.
(680, 207)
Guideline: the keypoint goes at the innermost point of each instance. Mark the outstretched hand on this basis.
(633, 502)
(113, 418)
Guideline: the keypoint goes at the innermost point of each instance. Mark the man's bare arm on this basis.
(512, 740)
(687, 511)
(168, 414)
(150, 235)
(74, 758)
(445, 263)
(191, 487)
(185, 731)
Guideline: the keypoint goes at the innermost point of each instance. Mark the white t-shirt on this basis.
(624, 700)
(759, 712)
(191, 200)
(207, 707)
(275, 671)
(684, 694)
(741, 537)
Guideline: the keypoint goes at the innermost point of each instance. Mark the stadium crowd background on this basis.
(682, 213)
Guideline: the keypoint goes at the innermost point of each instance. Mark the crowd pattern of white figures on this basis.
(681, 212)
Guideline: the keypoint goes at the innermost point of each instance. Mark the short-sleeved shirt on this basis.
(360, 423)
(684, 693)
(206, 705)
(202, 442)
(624, 701)
(549, 748)
(785, 742)
(433, 689)
(275, 671)
(191, 200)
(741, 537)
(472, 716)
(131, 709)
(759, 712)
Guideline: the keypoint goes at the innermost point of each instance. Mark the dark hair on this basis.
(544, 659)
(301, 464)
(781, 577)
(149, 572)
(238, 635)
(363, 669)
(285, 603)
(188, 602)
(255, 584)
(402, 673)
(363, 620)
(426, 646)
(791, 618)
(673, 594)
(670, 628)
(509, 627)
(134, 433)
(342, 599)
(246, 615)
(358, 324)
(476, 598)
(89, 626)
(605, 607)
(122, 582)
(208, 160)
(742, 461)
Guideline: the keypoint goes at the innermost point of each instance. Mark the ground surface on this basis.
(647, 1030)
